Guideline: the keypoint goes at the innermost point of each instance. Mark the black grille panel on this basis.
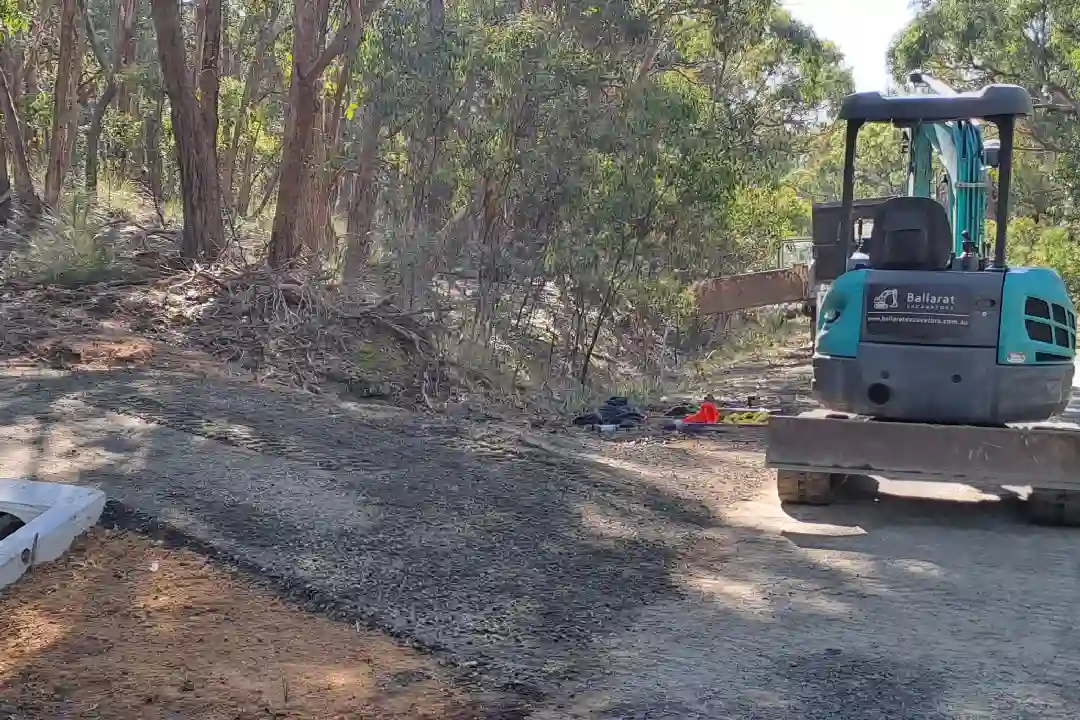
(1050, 323)
(1040, 332)
(1037, 308)
(1061, 337)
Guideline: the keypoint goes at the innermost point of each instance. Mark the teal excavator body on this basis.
(920, 324)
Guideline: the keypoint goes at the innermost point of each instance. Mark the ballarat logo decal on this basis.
(930, 302)
(886, 300)
(916, 312)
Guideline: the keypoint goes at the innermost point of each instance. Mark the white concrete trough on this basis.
(52, 516)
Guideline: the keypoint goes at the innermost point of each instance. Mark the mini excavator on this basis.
(929, 348)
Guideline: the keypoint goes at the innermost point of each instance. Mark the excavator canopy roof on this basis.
(991, 101)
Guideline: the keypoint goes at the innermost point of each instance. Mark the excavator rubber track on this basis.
(814, 454)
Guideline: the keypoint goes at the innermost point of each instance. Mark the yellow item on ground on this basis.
(749, 417)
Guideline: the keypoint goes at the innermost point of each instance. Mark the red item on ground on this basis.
(707, 414)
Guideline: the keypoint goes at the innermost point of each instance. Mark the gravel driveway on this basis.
(585, 578)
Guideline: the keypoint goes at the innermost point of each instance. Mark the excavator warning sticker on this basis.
(916, 311)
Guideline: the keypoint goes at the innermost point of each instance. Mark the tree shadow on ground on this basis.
(463, 546)
(934, 610)
(546, 575)
(1002, 514)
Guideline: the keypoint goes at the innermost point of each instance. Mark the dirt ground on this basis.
(124, 628)
(640, 577)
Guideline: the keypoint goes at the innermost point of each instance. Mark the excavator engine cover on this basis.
(909, 339)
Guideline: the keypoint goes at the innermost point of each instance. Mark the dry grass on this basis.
(296, 329)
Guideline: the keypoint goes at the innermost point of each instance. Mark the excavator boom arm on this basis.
(959, 144)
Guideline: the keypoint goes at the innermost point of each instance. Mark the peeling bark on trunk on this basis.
(6, 204)
(320, 233)
(228, 64)
(126, 50)
(152, 144)
(204, 230)
(24, 182)
(30, 87)
(364, 194)
(324, 180)
(209, 69)
(289, 226)
(63, 104)
(71, 132)
(199, 18)
(292, 216)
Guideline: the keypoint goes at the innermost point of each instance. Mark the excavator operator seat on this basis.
(911, 233)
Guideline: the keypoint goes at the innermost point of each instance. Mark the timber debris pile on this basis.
(289, 328)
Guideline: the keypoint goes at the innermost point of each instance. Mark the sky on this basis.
(861, 28)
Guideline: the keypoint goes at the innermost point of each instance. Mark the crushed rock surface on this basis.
(646, 578)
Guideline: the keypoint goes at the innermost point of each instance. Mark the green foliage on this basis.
(617, 172)
(13, 19)
(1034, 44)
(585, 161)
(69, 248)
(880, 164)
(1034, 245)
(761, 217)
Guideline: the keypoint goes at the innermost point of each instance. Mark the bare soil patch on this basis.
(124, 628)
